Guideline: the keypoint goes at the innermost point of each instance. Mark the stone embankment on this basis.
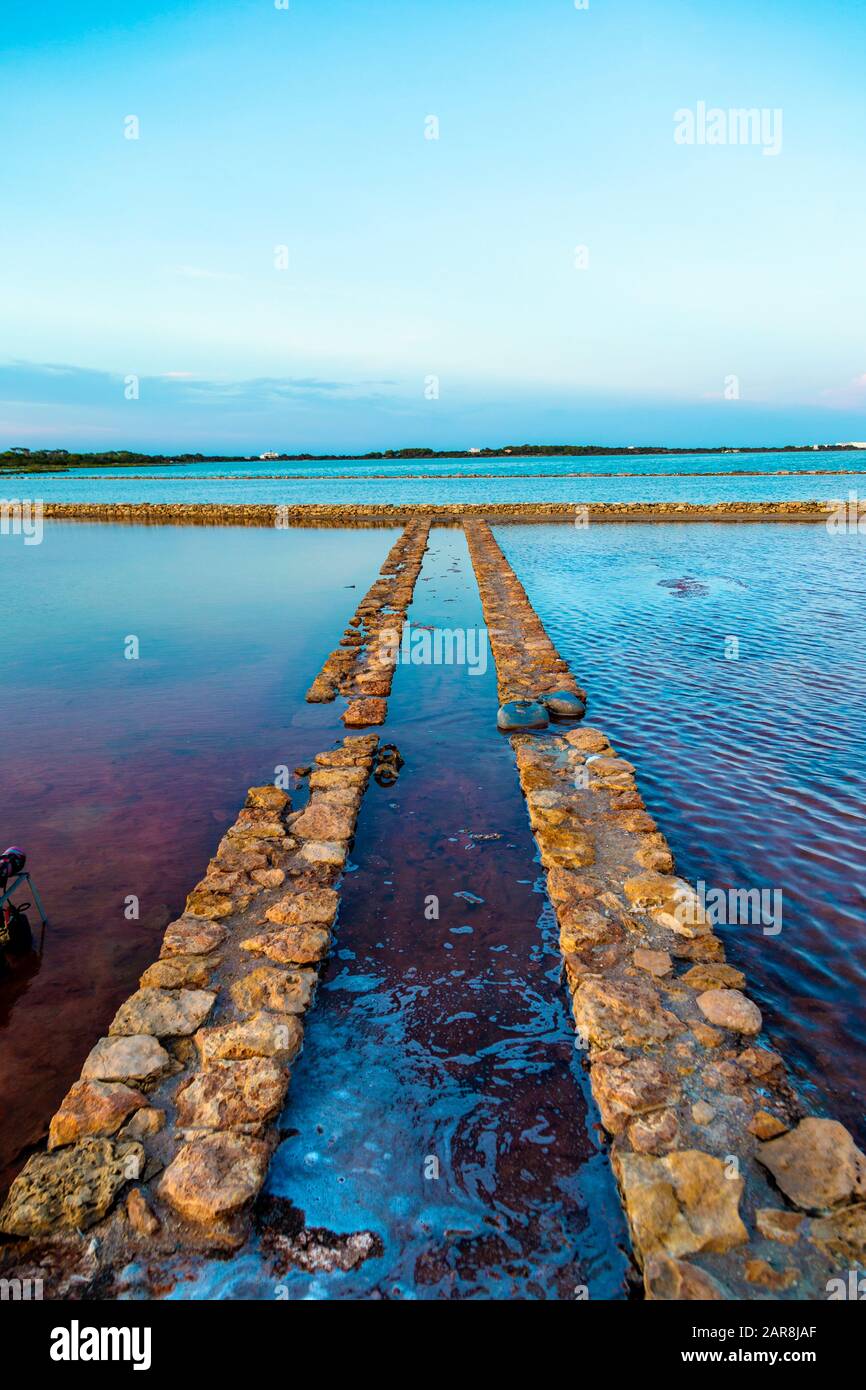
(164, 1142)
(730, 1188)
(362, 666)
(388, 514)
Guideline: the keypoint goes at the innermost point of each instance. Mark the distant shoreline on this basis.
(65, 461)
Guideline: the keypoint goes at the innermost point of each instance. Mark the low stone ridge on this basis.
(728, 1187)
(362, 666)
(442, 514)
(183, 1094)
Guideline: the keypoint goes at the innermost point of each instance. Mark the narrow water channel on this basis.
(439, 1103)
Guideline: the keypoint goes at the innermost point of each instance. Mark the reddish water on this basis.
(438, 1103)
(119, 776)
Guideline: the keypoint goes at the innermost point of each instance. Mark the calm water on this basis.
(517, 465)
(513, 480)
(442, 1043)
(438, 1101)
(118, 776)
(753, 766)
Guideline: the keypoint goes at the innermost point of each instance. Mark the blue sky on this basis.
(411, 258)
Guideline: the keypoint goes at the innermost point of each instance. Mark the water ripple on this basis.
(753, 765)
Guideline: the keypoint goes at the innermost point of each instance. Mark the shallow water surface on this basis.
(728, 663)
(514, 479)
(119, 776)
(439, 1102)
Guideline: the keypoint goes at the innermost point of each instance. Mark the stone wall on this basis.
(731, 1189)
(362, 666)
(164, 1141)
(374, 514)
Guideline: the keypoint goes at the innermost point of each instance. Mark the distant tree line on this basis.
(59, 460)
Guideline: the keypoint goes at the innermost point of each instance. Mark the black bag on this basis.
(15, 934)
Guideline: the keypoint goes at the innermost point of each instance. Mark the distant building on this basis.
(475, 451)
(269, 455)
(853, 444)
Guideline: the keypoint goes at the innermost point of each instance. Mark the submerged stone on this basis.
(563, 704)
(521, 714)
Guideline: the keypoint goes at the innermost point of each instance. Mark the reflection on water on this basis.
(118, 776)
(728, 663)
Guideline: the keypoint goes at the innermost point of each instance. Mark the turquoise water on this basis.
(427, 480)
(517, 465)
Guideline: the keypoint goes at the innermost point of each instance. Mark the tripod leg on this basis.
(36, 899)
